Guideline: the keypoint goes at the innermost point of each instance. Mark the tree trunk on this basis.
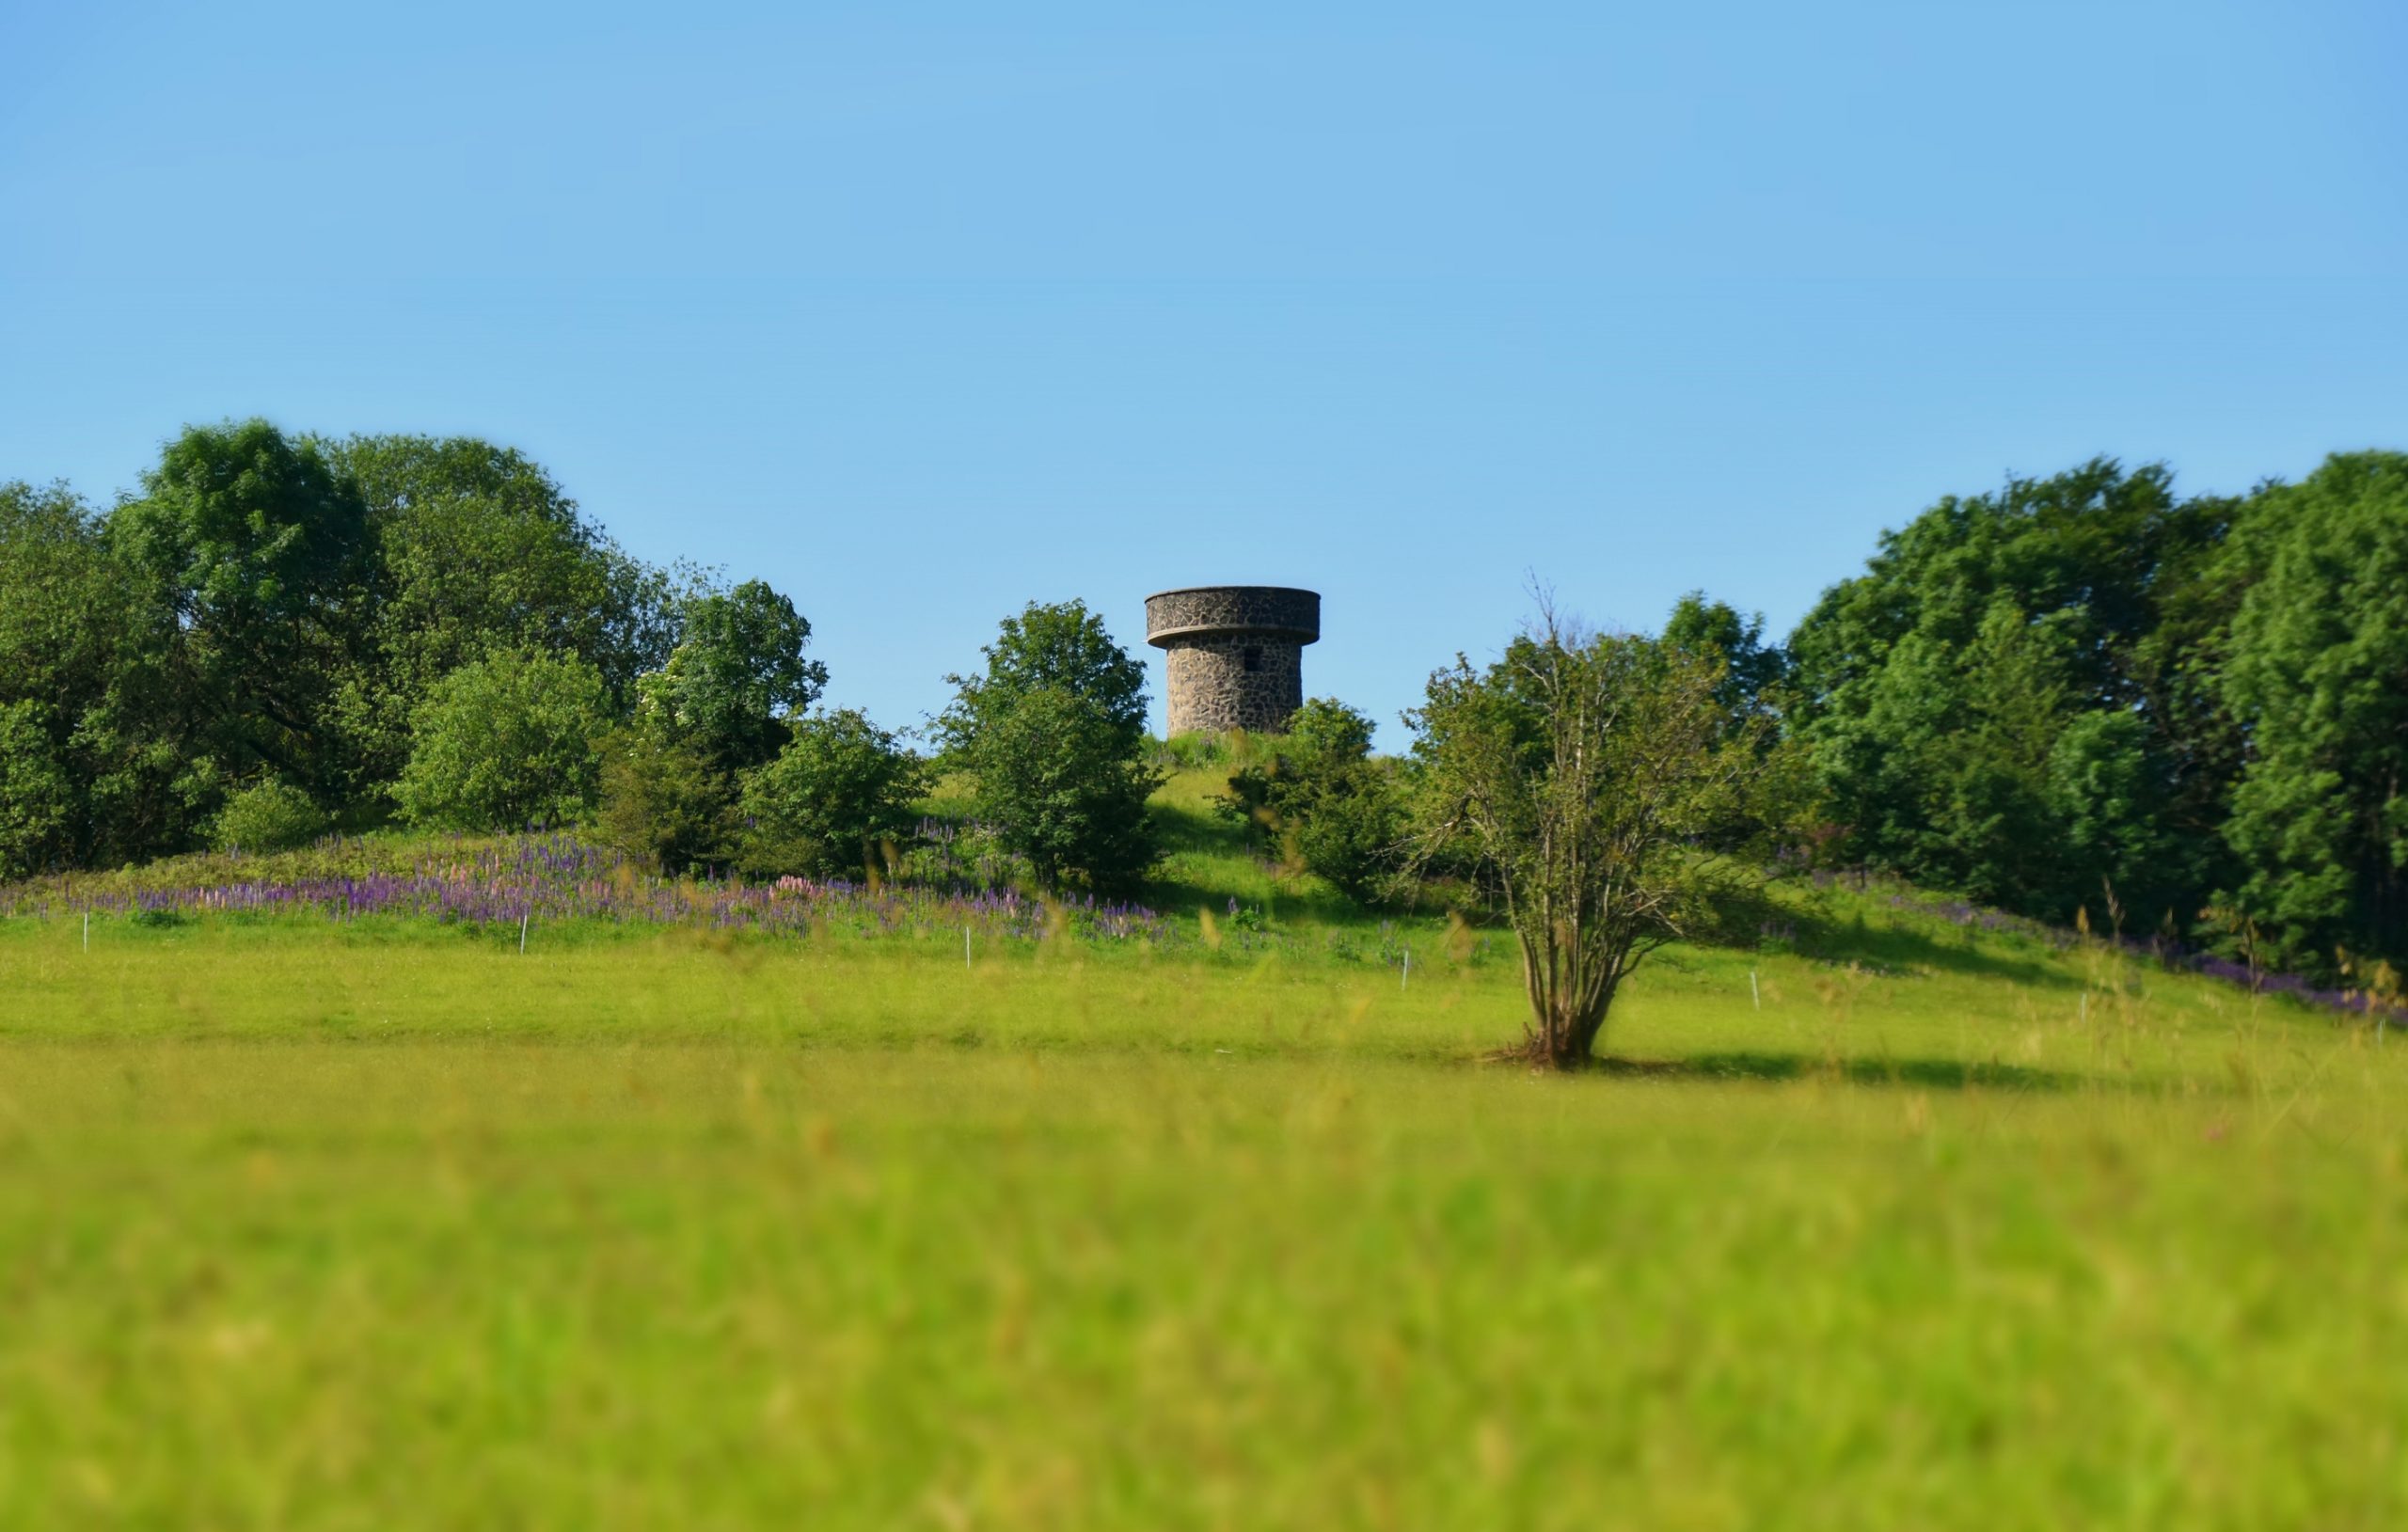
(1563, 1040)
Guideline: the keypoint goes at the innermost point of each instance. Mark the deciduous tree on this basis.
(259, 546)
(1584, 778)
(505, 742)
(1326, 800)
(841, 785)
(1052, 735)
(2318, 680)
(735, 677)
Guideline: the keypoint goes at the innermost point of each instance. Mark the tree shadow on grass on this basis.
(1892, 948)
(1186, 831)
(1920, 1074)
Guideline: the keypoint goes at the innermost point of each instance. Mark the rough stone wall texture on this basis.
(1233, 609)
(1212, 689)
(1236, 657)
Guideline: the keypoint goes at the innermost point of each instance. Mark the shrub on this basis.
(1331, 807)
(840, 784)
(506, 741)
(269, 816)
(1059, 780)
(663, 802)
(1576, 777)
(1052, 734)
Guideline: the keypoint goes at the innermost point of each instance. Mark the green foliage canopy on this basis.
(477, 548)
(1052, 735)
(504, 742)
(259, 547)
(736, 678)
(269, 816)
(38, 804)
(1062, 646)
(841, 785)
(664, 802)
(93, 654)
(1947, 694)
(2317, 678)
(1754, 671)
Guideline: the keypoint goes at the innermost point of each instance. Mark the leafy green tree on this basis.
(1064, 646)
(664, 802)
(2105, 789)
(2318, 678)
(504, 742)
(1329, 803)
(1941, 692)
(2086, 547)
(1060, 783)
(477, 548)
(1053, 735)
(1944, 776)
(1577, 778)
(88, 647)
(38, 804)
(259, 546)
(2175, 664)
(737, 678)
(57, 600)
(1754, 671)
(841, 785)
(56, 662)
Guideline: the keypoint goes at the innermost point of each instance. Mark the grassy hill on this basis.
(317, 1217)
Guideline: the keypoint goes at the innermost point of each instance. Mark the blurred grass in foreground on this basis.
(500, 1284)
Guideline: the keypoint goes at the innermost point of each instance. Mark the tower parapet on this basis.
(1234, 654)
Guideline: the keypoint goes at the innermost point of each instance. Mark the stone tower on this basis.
(1235, 654)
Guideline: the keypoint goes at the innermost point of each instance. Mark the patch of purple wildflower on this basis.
(558, 877)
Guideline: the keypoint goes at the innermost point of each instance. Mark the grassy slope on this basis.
(315, 1227)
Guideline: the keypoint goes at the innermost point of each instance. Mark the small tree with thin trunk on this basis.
(1605, 803)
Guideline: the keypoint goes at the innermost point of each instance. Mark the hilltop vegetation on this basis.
(2076, 697)
(2085, 692)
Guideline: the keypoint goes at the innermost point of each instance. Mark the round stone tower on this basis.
(1235, 654)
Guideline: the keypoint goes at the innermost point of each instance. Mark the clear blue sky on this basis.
(923, 311)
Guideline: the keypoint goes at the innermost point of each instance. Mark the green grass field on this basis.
(385, 1225)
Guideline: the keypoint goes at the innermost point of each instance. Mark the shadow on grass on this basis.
(1839, 941)
(1199, 833)
(1921, 1074)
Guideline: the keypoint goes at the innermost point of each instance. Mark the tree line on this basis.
(2088, 693)
(2079, 698)
(280, 635)
(2077, 695)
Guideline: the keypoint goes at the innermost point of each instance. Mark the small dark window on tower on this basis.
(1252, 659)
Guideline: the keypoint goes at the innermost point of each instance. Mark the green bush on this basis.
(1331, 807)
(505, 742)
(1053, 734)
(663, 802)
(269, 816)
(841, 784)
(1059, 780)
